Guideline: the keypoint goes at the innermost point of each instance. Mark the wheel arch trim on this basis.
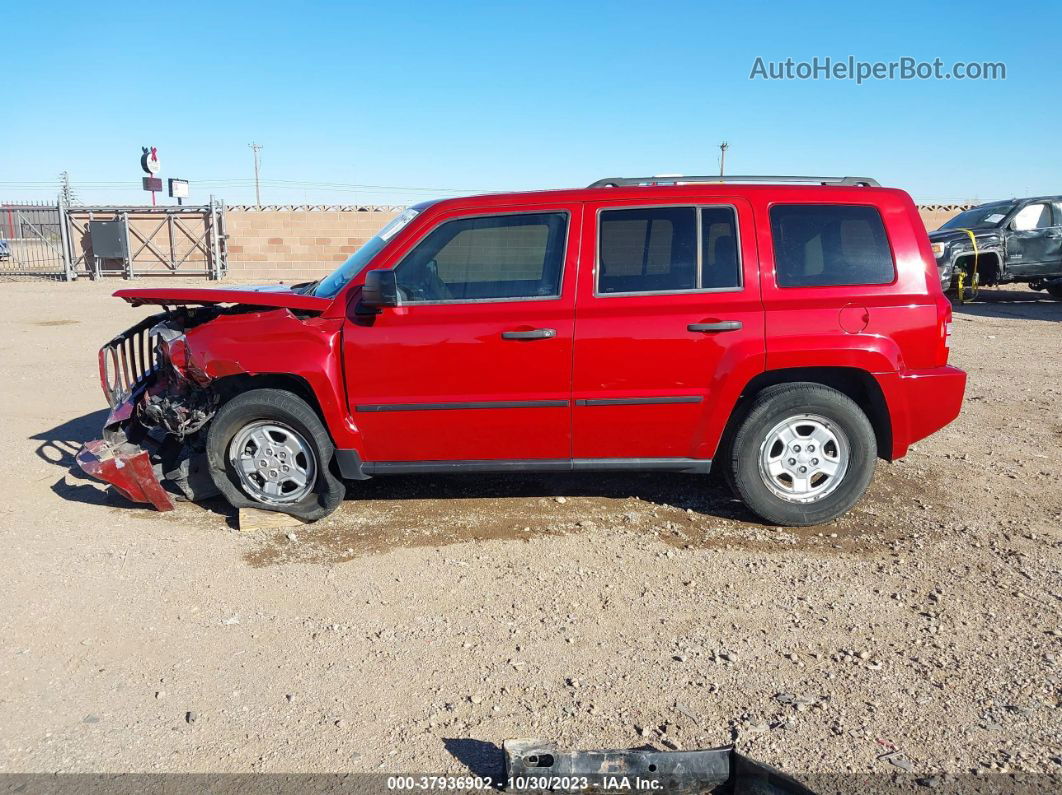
(862, 386)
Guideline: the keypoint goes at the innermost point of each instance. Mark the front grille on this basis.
(129, 360)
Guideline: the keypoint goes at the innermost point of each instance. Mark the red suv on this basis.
(785, 333)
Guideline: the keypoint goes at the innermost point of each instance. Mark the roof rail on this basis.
(678, 179)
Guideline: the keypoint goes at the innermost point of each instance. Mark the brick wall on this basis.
(934, 216)
(296, 243)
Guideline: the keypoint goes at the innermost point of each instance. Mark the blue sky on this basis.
(435, 98)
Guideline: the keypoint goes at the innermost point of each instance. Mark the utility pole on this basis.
(256, 148)
(65, 189)
(722, 157)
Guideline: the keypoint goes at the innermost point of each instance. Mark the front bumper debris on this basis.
(126, 467)
(537, 766)
(151, 448)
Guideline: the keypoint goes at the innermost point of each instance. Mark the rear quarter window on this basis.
(828, 245)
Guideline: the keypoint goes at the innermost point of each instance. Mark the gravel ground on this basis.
(431, 618)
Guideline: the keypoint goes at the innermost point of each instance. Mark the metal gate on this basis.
(54, 241)
(33, 242)
(148, 241)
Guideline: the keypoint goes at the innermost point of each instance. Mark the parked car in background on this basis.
(787, 334)
(5, 251)
(1017, 240)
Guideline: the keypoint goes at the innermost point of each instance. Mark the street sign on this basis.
(149, 160)
(178, 188)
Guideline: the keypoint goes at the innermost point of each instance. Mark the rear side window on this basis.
(821, 245)
(667, 249)
(720, 267)
(490, 257)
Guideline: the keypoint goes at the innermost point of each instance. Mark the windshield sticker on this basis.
(994, 218)
(397, 225)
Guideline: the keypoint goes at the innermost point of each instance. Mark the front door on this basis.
(667, 319)
(1034, 241)
(475, 365)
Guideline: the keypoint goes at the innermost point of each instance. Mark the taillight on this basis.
(944, 323)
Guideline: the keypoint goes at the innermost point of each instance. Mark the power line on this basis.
(238, 182)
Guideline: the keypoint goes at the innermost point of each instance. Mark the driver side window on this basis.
(1033, 216)
(487, 257)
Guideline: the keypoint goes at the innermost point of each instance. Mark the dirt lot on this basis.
(429, 619)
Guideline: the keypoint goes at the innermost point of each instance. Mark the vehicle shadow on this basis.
(708, 495)
(1025, 305)
(483, 759)
(60, 444)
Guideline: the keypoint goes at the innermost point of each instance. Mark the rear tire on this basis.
(1055, 291)
(267, 449)
(803, 455)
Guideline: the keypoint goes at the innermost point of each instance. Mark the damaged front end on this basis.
(151, 447)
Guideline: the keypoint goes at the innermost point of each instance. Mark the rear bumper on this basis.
(921, 402)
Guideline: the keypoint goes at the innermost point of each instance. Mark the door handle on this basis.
(534, 334)
(722, 325)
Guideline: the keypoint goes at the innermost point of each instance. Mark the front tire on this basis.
(267, 449)
(804, 455)
(1055, 291)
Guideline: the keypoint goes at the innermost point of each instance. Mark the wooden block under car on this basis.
(252, 519)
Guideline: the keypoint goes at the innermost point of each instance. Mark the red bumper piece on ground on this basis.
(130, 473)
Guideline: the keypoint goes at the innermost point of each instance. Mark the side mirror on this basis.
(380, 290)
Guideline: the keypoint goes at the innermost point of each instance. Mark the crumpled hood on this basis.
(948, 235)
(270, 288)
(280, 296)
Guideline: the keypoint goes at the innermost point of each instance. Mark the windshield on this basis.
(330, 286)
(986, 215)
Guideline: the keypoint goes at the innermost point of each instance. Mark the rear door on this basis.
(1054, 249)
(475, 365)
(667, 318)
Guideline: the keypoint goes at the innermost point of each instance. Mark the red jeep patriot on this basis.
(786, 333)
